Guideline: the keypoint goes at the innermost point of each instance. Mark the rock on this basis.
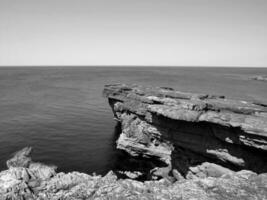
(41, 171)
(259, 78)
(44, 183)
(161, 171)
(20, 158)
(131, 175)
(177, 175)
(186, 129)
(8, 179)
(208, 170)
(13, 184)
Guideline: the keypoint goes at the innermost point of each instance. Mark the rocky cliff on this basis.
(196, 134)
(207, 147)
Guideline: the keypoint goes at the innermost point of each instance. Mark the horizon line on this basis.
(155, 66)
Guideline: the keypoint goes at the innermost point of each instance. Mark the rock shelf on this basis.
(185, 130)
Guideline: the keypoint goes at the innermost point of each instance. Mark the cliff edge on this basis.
(190, 132)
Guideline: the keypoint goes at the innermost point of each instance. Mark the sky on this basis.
(133, 32)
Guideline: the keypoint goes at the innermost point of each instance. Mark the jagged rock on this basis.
(20, 158)
(186, 129)
(18, 183)
(41, 171)
(131, 175)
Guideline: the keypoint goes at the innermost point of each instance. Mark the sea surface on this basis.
(61, 113)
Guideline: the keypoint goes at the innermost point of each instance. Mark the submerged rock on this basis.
(25, 183)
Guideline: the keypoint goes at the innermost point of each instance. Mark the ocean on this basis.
(61, 113)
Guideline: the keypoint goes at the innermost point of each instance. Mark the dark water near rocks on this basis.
(61, 113)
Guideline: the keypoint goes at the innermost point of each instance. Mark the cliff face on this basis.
(197, 134)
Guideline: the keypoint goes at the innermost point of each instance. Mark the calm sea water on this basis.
(61, 113)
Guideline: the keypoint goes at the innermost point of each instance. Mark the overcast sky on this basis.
(133, 32)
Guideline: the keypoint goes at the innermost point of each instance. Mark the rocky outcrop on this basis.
(41, 182)
(259, 78)
(185, 130)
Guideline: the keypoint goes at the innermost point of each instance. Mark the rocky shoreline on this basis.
(206, 147)
(28, 180)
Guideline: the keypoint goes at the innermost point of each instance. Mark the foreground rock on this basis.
(185, 130)
(41, 182)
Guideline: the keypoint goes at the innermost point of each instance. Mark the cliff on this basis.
(206, 146)
(190, 132)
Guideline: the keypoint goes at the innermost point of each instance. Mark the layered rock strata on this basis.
(187, 130)
(28, 180)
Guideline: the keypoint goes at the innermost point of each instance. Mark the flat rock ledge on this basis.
(188, 130)
(26, 180)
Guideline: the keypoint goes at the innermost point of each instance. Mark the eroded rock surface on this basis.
(41, 182)
(185, 130)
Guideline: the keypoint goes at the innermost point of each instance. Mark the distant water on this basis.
(61, 113)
